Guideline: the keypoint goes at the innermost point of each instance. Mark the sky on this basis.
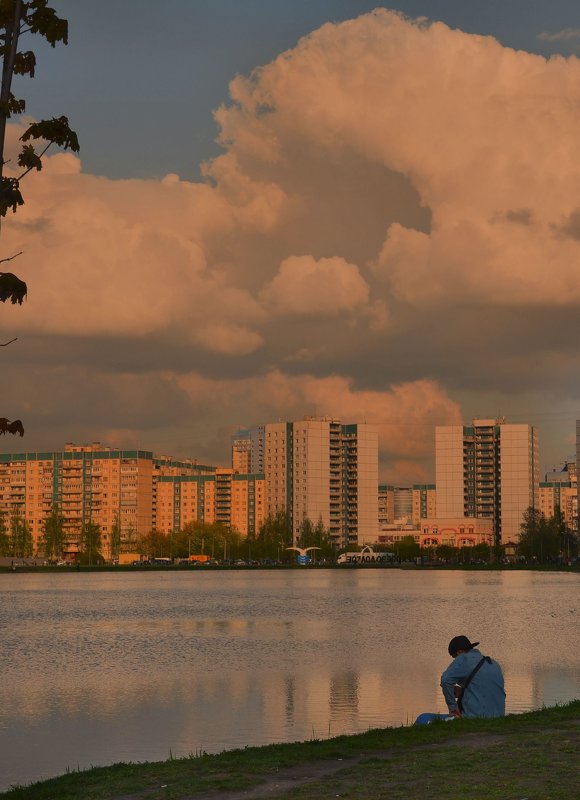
(329, 207)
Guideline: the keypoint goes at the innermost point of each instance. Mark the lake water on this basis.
(108, 667)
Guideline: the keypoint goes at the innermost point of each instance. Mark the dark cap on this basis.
(460, 643)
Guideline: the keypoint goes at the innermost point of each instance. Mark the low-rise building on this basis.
(456, 532)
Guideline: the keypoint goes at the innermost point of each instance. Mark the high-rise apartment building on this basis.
(319, 469)
(386, 505)
(559, 495)
(241, 452)
(559, 489)
(577, 463)
(228, 497)
(424, 502)
(403, 503)
(406, 505)
(88, 483)
(184, 498)
(248, 451)
(487, 470)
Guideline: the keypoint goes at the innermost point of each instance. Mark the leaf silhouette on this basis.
(54, 130)
(11, 427)
(12, 288)
(29, 158)
(10, 196)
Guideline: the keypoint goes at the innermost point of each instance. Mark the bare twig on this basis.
(5, 344)
(11, 258)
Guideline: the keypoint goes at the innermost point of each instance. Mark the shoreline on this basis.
(20, 567)
(521, 755)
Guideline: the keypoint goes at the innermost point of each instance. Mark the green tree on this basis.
(208, 538)
(129, 539)
(273, 537)
(316, 536)
(90, 544)
(529, 535)
(323, 540)
(540, 538)
(407, 549)
(306, 536)
(446, 552)
(20, 537)
(482, 551)
(17, 18)
(116, 537)
(4, 537)
(235, 546)
(194, 538)
(54, 536)
(154, 544)
(567, 539)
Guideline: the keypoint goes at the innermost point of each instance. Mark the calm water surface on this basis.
(127, 667)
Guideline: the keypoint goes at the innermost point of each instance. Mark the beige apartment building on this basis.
(560, 496)
(241, 455)
(559, 490)
(488, 470)
(386, 505)
(88, 483)
(406, 505)
(233, 499)
(248, 451)
(424, 502)
(319, 469)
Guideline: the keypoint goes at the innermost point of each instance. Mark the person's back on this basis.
(484, 695)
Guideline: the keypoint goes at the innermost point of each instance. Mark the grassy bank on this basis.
(531, 756)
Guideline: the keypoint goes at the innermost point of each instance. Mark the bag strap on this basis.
(469, 679)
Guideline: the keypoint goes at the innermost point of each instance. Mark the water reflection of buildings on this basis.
(230, 708)
(289, 689)
(542, 686)
(344, 695)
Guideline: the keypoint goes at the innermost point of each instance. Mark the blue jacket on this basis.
(485, 695)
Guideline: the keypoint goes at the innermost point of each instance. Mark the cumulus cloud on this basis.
(405, 414)
(478, 128)
(303, 285)
(395, 212)
(230, 340)
(564, 35)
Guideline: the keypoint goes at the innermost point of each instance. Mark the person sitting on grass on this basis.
(472, 684)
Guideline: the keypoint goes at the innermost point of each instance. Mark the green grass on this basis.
(531, 756)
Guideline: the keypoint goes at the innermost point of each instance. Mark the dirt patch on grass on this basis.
(474, 740)
(284, 780)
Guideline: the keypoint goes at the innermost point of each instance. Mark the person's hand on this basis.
(455, 713)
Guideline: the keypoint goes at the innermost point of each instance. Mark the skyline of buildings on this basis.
(316, 469)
